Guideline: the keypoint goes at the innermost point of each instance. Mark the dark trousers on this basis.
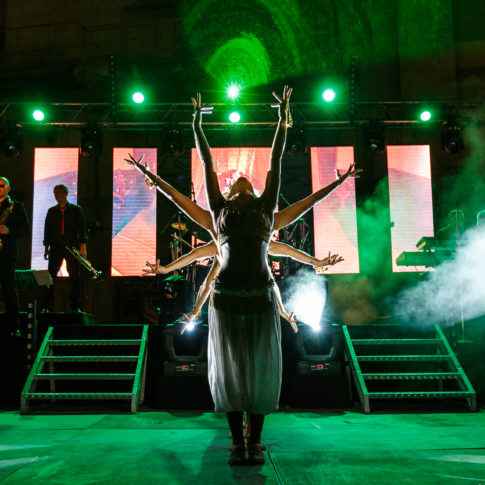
(9, 290)
(56, 256)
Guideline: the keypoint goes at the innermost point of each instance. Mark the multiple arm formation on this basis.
(270, 195)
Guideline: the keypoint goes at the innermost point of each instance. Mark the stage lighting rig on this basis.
(91, 140)
(452, 138)
(319, 350)
(11, 139)
(187, 351)
(296, 140)
(376, 138)
(174, 140)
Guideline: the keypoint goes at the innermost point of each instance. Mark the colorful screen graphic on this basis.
(230, 164)
(134, 214)
(52, 166)
(411, 206)
(334, 219)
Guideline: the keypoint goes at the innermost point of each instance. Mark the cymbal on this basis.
(181, 226)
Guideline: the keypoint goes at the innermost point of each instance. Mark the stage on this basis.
(331, 447)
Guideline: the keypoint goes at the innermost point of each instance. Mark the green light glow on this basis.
(244, 59)
(138, 97)
(38, 115)
(328, 95)
(251, 43)
(234, 117)
(425, 116)
(233, 91)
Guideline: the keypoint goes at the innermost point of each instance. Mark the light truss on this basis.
(258, 115)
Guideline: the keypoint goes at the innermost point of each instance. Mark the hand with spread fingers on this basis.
(330, 260)
(188, 318)
(142, 167)
(351, 172)
(284, 105)
(200, 110)
(290, 317)
(155, 268)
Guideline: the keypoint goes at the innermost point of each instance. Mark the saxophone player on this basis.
(13, 224)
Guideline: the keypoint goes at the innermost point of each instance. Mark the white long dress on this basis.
(244, 345)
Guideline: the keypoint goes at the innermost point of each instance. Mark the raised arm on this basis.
(273, 178)
(277, 248)
(188, 207)
(290, 214)
(206, 251)
(214, 195)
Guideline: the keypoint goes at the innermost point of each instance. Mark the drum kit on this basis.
(186, 236)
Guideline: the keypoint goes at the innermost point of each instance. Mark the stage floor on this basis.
(341, 447)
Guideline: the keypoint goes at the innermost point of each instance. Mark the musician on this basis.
(450, 234)
(65, 225)
(13, 224)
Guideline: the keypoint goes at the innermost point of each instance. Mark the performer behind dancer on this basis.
(13, 224)
(64, 226)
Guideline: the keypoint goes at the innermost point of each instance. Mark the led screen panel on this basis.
(410, 199)
(52, 166)
(334, 219)
(134, 214)
(230, 164)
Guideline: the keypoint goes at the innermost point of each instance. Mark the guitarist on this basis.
(13, 224)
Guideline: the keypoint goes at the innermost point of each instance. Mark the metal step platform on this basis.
(400, 367)
(89, 363)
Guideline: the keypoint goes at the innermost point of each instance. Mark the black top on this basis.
(18, 225)
(74, 226)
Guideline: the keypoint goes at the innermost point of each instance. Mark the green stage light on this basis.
(38, 115)
(233, 91)
(425, 116)
(328, 95)
(235, 117)
(138, 97)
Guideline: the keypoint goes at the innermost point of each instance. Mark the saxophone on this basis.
(4, 216)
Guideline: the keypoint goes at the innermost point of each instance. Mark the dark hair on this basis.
(62, 186)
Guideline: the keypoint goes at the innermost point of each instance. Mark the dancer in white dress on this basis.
(244, 348)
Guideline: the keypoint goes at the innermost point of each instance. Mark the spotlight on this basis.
(451, 138)
(174, 140)
(425, 115)
(91, 141)
(187, 352)
(138, 97)
(328, 95)
(11, 139)
(234, 117)
(38, 115)
(319, 351)
(233, 91)
(376, 140)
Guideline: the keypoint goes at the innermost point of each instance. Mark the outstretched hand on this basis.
(188, 319)
(153, 268)
(137, 163)
(291, 319)
(200, 110)
(330, 260)
(351, 172)
(284, 105)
